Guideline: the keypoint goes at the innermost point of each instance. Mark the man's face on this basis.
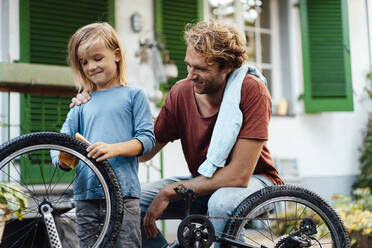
(207, 79)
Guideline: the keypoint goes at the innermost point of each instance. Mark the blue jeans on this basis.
(90, 215)
(221, 203)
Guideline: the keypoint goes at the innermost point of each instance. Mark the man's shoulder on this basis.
(181, 85)
(254, 86)
(181, 89)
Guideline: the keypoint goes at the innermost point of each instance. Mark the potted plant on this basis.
(13, 203)
(356, 212)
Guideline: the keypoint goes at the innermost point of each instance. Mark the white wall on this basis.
(326, 144)
(9, 52)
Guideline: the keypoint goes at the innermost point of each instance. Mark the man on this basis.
(189, 113)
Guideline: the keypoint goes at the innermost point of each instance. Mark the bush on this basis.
(364, 179)
(356, 212)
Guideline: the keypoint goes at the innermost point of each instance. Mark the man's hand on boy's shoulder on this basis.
(79, 99)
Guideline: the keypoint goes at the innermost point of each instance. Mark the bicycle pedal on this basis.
(182, 190)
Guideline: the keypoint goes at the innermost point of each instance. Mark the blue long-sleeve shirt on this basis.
(114, 115)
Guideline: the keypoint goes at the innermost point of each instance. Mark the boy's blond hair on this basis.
(86, 37)
(218, 42)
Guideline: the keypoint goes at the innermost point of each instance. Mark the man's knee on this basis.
(225, 200)
(220, 204)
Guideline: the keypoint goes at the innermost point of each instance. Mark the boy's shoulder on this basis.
(131, 89)
(121, 90)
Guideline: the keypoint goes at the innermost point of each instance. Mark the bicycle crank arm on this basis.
(236, 243)
(174, 244)
(54, 240)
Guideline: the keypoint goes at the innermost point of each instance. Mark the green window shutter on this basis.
(47, 25)
(171, 16)
(42, 113)
(326, 56)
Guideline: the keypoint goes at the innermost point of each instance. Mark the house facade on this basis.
(315, 54)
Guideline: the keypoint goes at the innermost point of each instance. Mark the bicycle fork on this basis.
(54, 240)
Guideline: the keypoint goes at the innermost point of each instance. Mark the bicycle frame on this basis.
(188, 196)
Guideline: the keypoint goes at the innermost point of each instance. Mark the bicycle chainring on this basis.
(195, 231)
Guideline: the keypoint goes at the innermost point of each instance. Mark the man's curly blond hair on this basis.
(218, 42)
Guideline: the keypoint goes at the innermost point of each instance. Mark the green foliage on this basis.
(12, 200)
(364, 179)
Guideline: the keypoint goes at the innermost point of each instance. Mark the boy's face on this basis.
(99, 65)
(207, 78)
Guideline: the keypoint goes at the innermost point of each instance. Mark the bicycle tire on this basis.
(269, 204)
(29, 150)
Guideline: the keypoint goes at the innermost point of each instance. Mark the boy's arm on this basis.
(143, 140)
(142, 122)
(101, 151)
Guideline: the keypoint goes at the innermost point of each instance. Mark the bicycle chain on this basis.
(248, 218)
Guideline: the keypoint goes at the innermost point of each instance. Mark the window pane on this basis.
(267, 74)
(251, 46)
(266, 48)
(221, 10)
(265, 14)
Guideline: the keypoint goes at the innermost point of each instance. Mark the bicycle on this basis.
(26, 161)
(283, 216)
(279, 216)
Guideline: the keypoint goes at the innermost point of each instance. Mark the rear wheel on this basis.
(26, 164)
(286, 216)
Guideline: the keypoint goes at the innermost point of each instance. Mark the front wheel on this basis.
(47, 216)
(286, 216)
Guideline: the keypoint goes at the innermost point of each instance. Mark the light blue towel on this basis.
(229, 121)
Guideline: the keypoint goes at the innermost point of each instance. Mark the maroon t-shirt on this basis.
(179, 118)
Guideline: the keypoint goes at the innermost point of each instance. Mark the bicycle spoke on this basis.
(23, 230)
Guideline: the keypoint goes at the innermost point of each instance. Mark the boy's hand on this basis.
(101, 151)
(80, 98)
(63, 166)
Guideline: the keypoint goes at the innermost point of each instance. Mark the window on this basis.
(326, 56)
(254, 18)
(265, 24)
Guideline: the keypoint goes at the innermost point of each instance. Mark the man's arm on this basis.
(157, 147)
(236, 173)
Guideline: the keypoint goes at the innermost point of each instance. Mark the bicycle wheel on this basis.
(287, 216)
(49, 216)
